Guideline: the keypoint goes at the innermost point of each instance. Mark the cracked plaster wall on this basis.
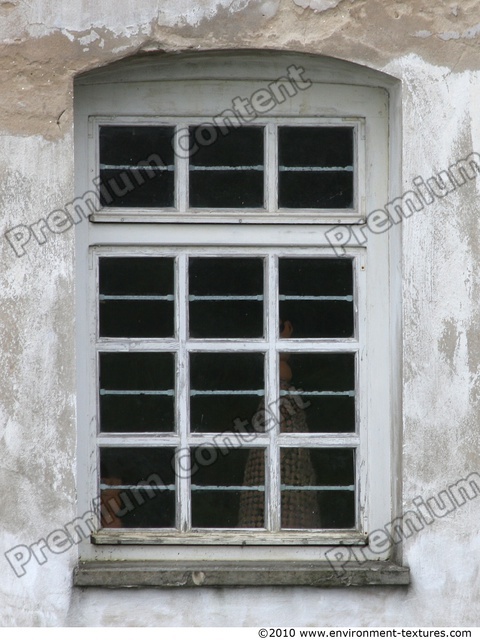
(433, 49)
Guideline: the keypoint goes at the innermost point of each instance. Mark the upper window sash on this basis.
(194, 163)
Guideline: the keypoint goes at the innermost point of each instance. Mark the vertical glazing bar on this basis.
(271, 168)
(181, 152)
(182, 467)
(272, 408)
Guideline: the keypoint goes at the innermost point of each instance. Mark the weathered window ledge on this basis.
(117, 574)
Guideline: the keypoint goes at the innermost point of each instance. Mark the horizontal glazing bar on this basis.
(284, 168)
(317, 393)
(282, 297)
(292, 487)
(205, 487)
(195, 167)
(162, 345)
(137, 392)
(135, 345)
(227, 392)
(136, 439)
(130, 487)
(324, 440)
(291, 345)
(169, 297)
(284, 487)
(216, 298)
(135, 167)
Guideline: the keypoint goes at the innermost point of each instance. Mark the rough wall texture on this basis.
(432, 47)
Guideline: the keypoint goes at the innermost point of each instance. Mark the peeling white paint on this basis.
(472, 32)
(269, 8)
(317, 5)
(423, 34)
(88, 39)
(468, 34)
(449, 35)
(70, 36)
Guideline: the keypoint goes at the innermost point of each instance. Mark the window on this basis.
(239, 374)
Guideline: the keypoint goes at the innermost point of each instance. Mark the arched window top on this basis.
(283, 124)
(232, 66)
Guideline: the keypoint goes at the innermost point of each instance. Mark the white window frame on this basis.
(336, 96)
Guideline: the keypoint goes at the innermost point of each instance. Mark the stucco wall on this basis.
(432, 48)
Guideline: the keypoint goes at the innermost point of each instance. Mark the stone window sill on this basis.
(118, 574)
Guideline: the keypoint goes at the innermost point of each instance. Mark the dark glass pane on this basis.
(316, 296)
(136, 297)
(138, 487)
(137, 392)
(315, 167)
(228, 487)
(317, 488)
(136, 166)
(226, 169)
(318, 392)
(226, 297)
(225, 388)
